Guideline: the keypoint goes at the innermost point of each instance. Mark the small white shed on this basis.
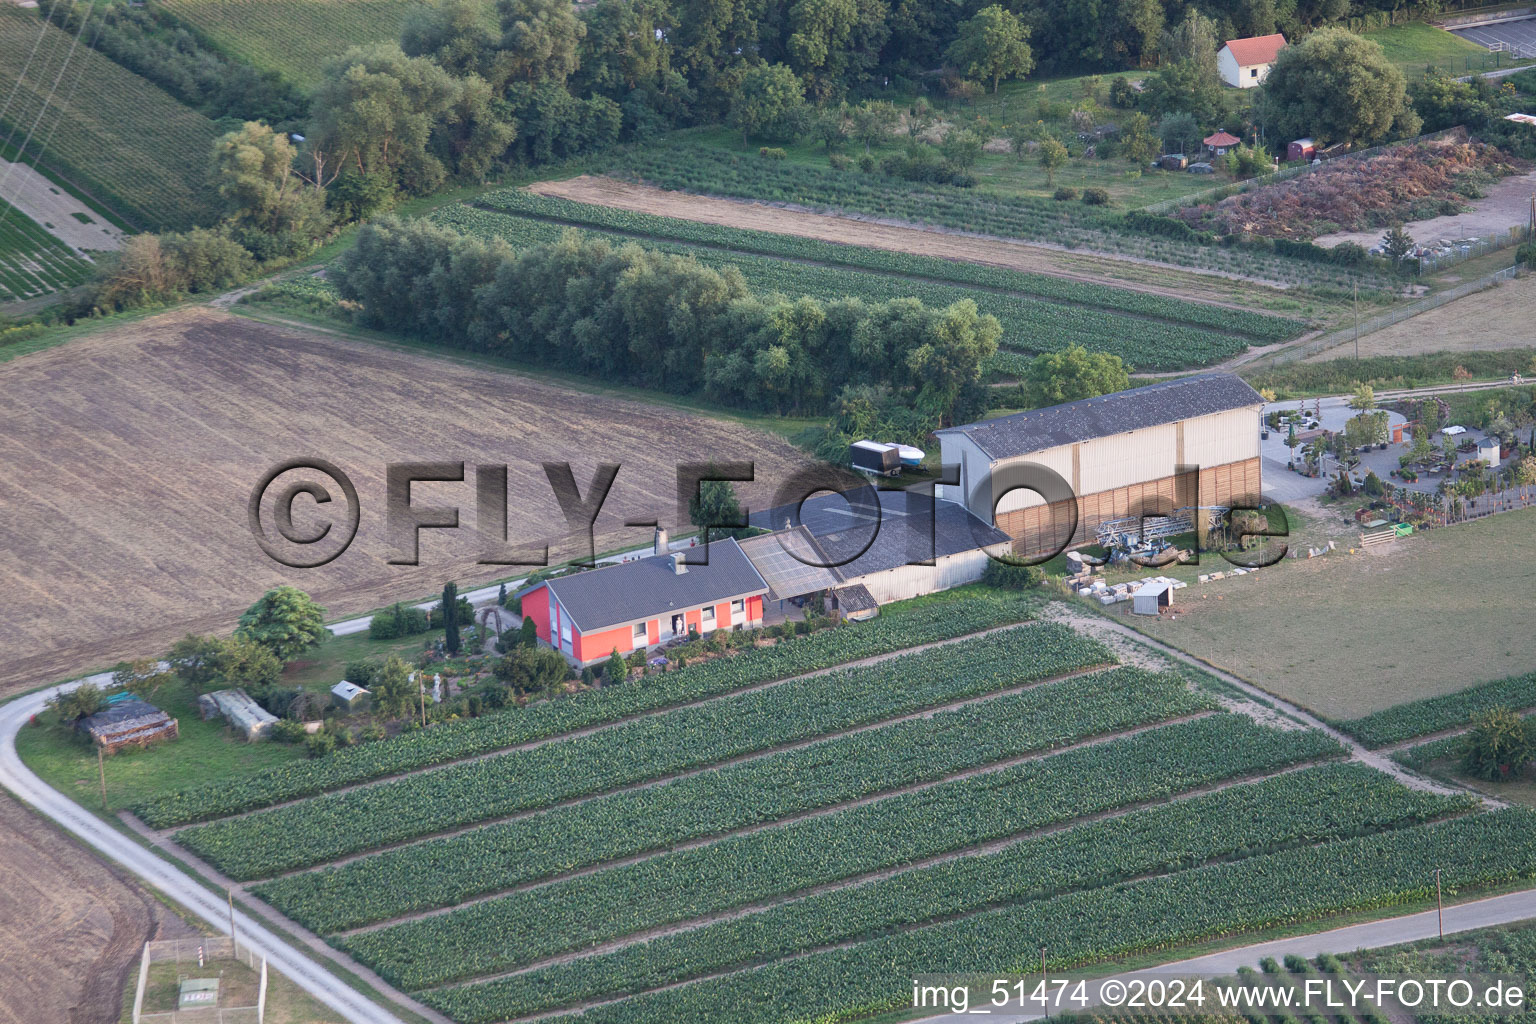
(1488, 448)
(1153, 596)
(349, 695)
(242, 712)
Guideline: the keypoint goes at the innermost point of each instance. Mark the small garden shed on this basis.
(349, 696)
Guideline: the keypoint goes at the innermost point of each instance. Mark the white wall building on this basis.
(1245, 63)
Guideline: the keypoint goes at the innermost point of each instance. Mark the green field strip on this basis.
(929, 620)
(1434, 714)
(132, 144)
(1029, 325)
(1308, 806)
(496, 936)
(1260, 326)
(1164, 913)
(324, 828)
(768, 789)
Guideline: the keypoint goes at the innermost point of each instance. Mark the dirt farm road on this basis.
(166, 877)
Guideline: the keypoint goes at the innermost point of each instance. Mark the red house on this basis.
(631, 605)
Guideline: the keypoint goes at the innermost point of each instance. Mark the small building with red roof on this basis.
(1218, 144)
(1244, 63)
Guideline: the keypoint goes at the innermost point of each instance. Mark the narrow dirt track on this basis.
(1034, 258)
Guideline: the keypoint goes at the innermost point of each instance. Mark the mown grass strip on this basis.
(498, 857)
(525, 926)
(923, 621)
(1322, 803)
(1432, 714)
(1367, 873)
(321, 829)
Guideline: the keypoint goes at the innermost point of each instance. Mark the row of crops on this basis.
(116, 135)
(323, 828)
(896, 831)
(1392, 869)
(690, 167)
(930, 620)
(1432, 714)
(767, 789)
(1314, 805)
(1257, 325)
(1029, 325)
(293, 37)
(33, 262)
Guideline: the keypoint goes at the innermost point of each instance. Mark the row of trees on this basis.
(663, 321)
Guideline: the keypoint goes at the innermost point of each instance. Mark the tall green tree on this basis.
(285, 621)
(540, 41)
(393, 695)
(1336, 87)
(874, 121)
(713, 505)
(1178, 131)
(196, 660)
(253, 173)
(994, 44)
(1071, 374)
(1498, 746)
(451, 617)
(769, 103)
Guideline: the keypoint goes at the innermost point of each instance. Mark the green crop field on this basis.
(737, 840)
(115, 136)
(293, 37)
(686, 165)
(33, 262)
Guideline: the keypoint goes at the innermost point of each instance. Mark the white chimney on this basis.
(661, 541)
(677, 563)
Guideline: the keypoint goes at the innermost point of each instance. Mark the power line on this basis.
(42, 31)
(21, 153)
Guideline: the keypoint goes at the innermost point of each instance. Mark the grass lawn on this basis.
(204, 751)
(1345, 635)
(1415, 46)
(238, 985)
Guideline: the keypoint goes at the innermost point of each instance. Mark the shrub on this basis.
(319, 744)
(1499, 745)
(867, 163)
(1008, 575)
(1296, 964)
(1094, 196)
(1065, 193)
(772, 152)
(1121, 94)
(840, 162)
(1527, 254)
(287, 730)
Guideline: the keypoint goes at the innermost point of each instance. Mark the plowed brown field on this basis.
(127, 460)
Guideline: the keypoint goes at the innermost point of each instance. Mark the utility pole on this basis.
(1357, 321)
(1043, 987)
(101, 769)
(230, 895)
(1439, 908)
(421, 689)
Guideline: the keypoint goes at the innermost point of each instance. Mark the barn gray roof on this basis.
(630, 591)
(1117, 413)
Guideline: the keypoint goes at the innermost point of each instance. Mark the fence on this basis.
(205, 950)
(1334, 339)
(1221, 192)
(1432, 262)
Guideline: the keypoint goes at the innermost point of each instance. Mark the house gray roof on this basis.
(867, 530)
(1117, 413)
(646, 587)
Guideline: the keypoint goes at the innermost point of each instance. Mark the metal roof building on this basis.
(1145, 451)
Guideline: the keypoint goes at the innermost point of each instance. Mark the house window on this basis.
(737, 607)
(639, 634)
(707, 616)
(565, 637)
(1253, 72)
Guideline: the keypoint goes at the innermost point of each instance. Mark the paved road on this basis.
(1463, 917)
(168, 879)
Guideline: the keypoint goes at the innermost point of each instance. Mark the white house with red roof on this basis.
(1244, 63)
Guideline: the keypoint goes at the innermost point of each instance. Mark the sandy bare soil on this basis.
(1507, 204)
(127, 460)
(1036, 259)
(71, 926)
(53, 209)
(1495, 318)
